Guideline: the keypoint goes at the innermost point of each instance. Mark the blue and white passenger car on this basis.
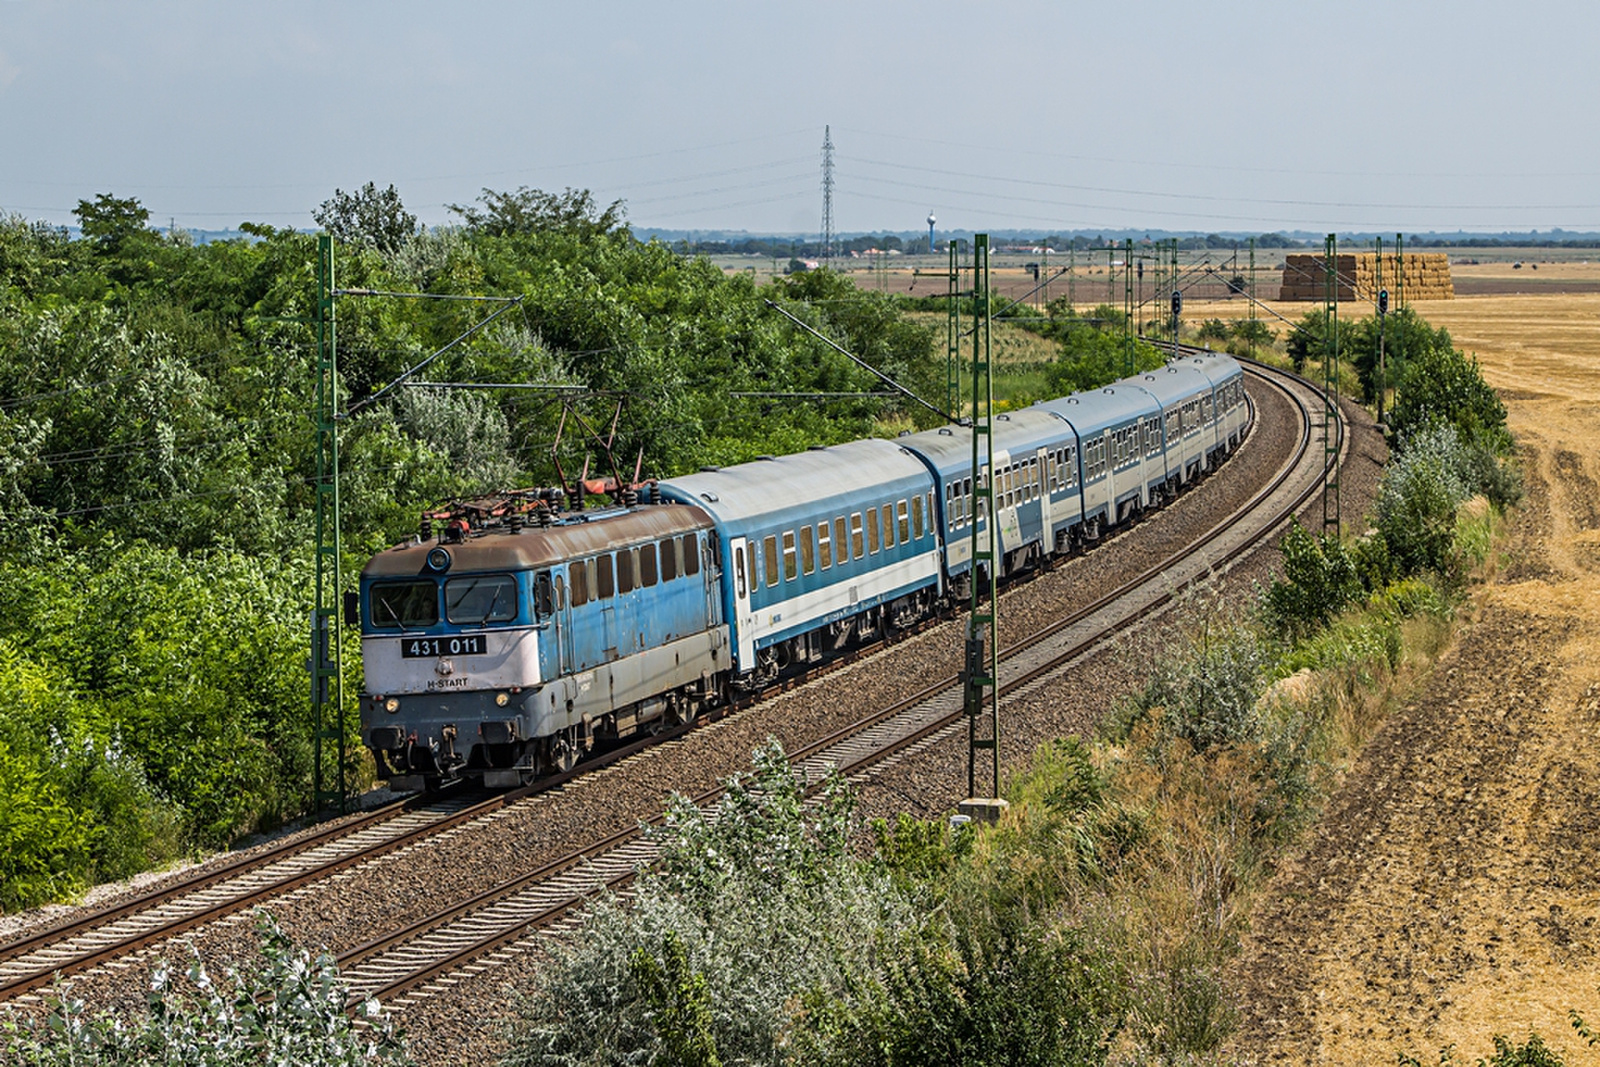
(822, 547)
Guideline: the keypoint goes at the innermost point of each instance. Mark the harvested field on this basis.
(1451, 891)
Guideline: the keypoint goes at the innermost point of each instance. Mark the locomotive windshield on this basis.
(405, 605)
(481, 598)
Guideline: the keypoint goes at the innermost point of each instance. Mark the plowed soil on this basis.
(1452, 890)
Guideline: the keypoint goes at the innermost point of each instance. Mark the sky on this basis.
(700, 115)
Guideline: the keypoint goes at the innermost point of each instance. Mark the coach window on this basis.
(916, 514)
(669, 559)
(904, 521)
(647, 565)
(841, 544)
(824, 545)
(626, 582)
(855, 536)
(769, 550)
(789, 568)
(808, 557)
(605, 585)
(872, 530)
(691, 553)
(888, 526)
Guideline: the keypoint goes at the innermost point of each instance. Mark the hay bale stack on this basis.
(1427, 276)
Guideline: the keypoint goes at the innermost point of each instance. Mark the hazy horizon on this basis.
(1375, 117)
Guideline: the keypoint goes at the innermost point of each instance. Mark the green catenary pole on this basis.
(330, 792)
(1127, 304)
(952, 355)
(1330, 381)
(982, 651)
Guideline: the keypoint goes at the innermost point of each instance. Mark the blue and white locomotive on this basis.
(509, 643)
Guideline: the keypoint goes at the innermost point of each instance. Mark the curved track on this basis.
(410, 962)
(426, 957)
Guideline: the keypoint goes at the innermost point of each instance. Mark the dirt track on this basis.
(1452, 892)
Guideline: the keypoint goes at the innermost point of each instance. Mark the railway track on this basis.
(427, 955)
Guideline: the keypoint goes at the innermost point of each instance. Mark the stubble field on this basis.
(1452, 891)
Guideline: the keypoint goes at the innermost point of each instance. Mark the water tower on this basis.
(931, 221)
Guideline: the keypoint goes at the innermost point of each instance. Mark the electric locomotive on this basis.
(504, 646)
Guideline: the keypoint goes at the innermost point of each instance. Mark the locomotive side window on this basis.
(855, 536)
(578, 582)
(647, 565)
(605, 584)
(481, 598)
(669, 559)
(916, 515)
(627, 580)
(769, 548)
(905, 524)
(872, 530)
(398, 605)
(544, 595)
(790, 571)
(824, 545)
(808, 555)
(691, 554)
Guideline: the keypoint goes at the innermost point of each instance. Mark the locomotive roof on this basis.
(767, 487)
(502, 549)
(949, 448)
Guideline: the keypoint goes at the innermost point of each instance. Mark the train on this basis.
(514, 634)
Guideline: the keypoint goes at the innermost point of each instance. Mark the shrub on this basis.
(1417, 499)
(289, 1011)
(1319, 579)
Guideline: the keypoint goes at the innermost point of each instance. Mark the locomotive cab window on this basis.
(544, 595)
(481, 598)
(404, 605)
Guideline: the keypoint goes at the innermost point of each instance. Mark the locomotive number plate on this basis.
(431, 647)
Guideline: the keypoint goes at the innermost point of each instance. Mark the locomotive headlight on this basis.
(502, 699)
(391, 705)
(439, 559)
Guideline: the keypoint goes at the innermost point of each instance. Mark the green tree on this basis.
(530, 211)
(110, 221)
(369, 216)
(1440, 386)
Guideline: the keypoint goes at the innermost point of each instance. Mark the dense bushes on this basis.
(288, 1010)
(157, 464)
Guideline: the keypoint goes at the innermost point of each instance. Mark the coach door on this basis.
(743, 621)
